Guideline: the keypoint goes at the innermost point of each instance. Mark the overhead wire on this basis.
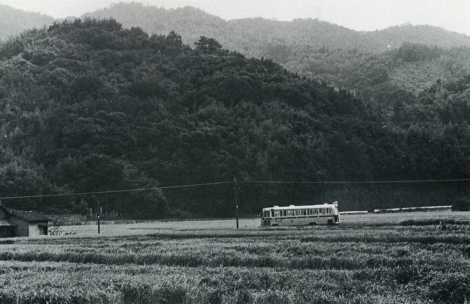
(345, 182)
(148, 189)
(264, 182)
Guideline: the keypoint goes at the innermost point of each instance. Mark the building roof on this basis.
(294, 207)
(28, 216)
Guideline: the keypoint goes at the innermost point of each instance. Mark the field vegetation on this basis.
(421, 262)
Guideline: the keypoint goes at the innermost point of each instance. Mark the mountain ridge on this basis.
(292, 32)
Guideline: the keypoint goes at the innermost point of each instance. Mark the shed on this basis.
(15, 223)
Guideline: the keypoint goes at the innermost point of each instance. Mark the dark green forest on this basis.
(90, 106)
(395, 63)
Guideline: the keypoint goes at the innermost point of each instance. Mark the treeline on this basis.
(90, 106)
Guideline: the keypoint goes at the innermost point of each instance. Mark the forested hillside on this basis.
(89, 106)
(13, 21)
(379, 66)
(258, 37)
(399, 74)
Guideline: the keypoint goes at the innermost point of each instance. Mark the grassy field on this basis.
(408, 258)
(224, 226)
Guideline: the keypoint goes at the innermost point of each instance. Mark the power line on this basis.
(402, 181)
(260, 182)
(39, 196)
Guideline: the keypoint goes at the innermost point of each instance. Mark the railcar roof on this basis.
(293, 207)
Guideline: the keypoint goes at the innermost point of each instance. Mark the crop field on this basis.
(412, 258)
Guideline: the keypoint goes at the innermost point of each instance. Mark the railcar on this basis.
(324, 214)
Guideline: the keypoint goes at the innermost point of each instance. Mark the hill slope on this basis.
(364, 62)
(89, 106)
(13, 21)
(251, 36)
(408, 70)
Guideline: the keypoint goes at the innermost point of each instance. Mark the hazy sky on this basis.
(357, 14)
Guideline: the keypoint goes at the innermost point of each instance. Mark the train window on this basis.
(266, 214)
(290, 212)
(277, 213)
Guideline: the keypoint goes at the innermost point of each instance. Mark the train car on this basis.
(325, 214)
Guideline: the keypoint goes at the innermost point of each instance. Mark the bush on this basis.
(466, 251)
(453, 289)
(169, 295)
(243, 296)
(406, 274)
(273, 297)
(139, 294)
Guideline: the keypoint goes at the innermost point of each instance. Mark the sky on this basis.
(367, 15)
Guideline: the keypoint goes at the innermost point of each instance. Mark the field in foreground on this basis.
(417, 261)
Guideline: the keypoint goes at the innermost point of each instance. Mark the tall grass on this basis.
(392, 264)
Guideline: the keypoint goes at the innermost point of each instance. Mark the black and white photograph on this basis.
(235, 152)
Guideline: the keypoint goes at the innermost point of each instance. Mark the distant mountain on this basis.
(373, 63)
(14, 21)
(255, 36)
(189, 22)
(397, 74)
(394, 37)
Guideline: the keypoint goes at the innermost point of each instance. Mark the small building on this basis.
(18, 223)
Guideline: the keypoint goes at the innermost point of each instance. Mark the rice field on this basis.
(412, 258)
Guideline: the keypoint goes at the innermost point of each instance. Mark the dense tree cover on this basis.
(90, 106)
(382, 78)
(380, 66)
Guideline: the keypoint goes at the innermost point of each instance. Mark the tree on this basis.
(208, 45)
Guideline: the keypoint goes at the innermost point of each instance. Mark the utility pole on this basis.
(98, 222)
(98, 216)
(235, 200)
